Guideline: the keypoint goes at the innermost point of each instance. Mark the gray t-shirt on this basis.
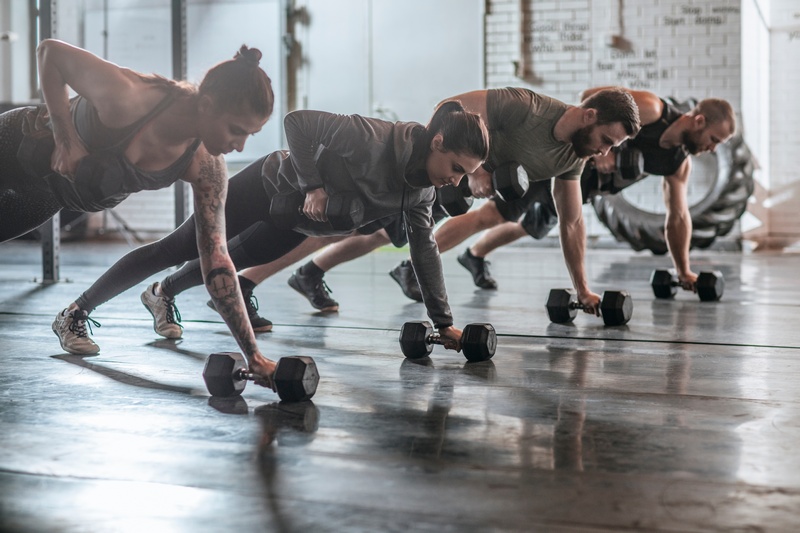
(521, 126)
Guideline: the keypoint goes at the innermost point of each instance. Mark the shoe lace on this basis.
(252, 303)
(173, 315)
(78, 325)
(323, 288)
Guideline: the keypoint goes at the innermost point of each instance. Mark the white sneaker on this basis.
(166, 317)
(70, 328)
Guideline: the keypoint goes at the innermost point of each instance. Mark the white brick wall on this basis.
(784, 179)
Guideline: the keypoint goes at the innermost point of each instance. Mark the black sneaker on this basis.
(258, 323)
(405, 276)
(315, 289)
(479, 268)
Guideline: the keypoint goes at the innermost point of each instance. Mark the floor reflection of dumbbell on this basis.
(478, 341)
(295, 378)
(710, 284)
(344, 211)
(616, 307)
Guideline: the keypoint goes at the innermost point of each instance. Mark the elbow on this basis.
(44, 48)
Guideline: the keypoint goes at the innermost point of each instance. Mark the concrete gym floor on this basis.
(686, 419)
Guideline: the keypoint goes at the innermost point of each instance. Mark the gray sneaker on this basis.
(405, 276)
(70, 328)
(166, 317)
(315, 290)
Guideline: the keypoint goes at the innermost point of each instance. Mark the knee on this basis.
(381, 238)
(489, 216)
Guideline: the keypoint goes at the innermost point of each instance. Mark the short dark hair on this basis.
(615, 105)
(462, 132)
(239, 85)
(715, 110)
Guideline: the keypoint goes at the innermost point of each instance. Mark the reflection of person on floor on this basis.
(392, 167)
(568, 430)
(666, 140)
(547, 137)
(123, 133)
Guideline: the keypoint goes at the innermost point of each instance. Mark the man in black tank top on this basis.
(666, 140)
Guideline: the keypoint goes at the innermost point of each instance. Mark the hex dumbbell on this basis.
(478, 341)
(295, 378)
(630, 163)
(616, 307)
(629, 169)
(455, 199)
(510, 181)
(344, 211)
(710, 284)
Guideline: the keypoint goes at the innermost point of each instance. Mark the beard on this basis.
(580, 141)
(689, 143)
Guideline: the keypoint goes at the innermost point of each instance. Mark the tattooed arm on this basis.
(210, 187)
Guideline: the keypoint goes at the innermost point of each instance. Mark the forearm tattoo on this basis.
(223, 287)
(210, 207)
(220, 280)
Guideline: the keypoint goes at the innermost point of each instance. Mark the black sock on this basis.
(246, 284)
(311, 269)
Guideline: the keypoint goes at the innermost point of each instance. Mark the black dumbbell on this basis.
(455, 199)
(510, 181)
(344, 211)
(630, 168)
(616, 307)
(710, 284)
(630, 163)
(295, 378)
(478, 341)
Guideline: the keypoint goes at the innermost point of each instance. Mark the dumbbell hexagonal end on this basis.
(478, 342)
(663, 283)
(284, 209)
(616, 308)
(220, 371)
(510, 181)
(710, 286)
(558, 305)
(296, 378)
(345, 211)
(414, 339)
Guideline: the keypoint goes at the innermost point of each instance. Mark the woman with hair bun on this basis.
(125, 132)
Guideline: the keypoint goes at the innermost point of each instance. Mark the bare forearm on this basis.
(573, 246)
(678, 234)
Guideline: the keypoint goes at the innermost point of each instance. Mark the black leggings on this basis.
(252, 237)
(23, 205)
